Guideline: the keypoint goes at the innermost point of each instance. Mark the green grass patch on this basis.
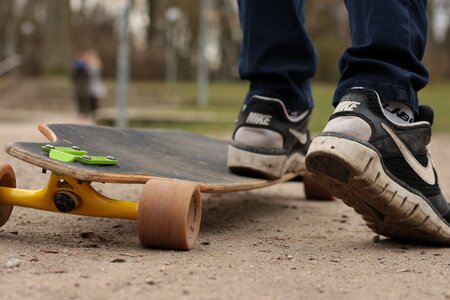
(226, 99)
(438, 97)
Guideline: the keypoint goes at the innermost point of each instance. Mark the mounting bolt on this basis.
(87, 157)
(50, 146)
(65, 201)
(76, 148)
(110, 157)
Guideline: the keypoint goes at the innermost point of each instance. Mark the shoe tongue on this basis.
(426, 114)
(398, 112)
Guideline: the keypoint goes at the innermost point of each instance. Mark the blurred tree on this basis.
(30, 37)
(58, 41)
(230, 40)
(94, 27)
(7, 29)
(155, 16)
(48, 32)
(327, 24)
(438, 48)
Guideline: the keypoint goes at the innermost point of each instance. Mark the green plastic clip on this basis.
(64, 154)
(75, 154)
(97, 160)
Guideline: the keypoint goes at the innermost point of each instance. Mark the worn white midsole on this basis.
(273, 165)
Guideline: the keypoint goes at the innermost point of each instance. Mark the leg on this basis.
(93, 102)
(383, 168)
(85, 105)
(388, 44)
(278, 58)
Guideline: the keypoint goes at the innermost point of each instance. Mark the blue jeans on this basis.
(388, 44)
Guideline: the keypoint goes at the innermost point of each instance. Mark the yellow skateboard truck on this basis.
(67, 195)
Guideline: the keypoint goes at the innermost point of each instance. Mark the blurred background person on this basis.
(88, 86)
(96, 88)
(81, 82)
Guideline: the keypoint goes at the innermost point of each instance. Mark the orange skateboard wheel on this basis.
(314, 190)
(7, 179)
(169, 214)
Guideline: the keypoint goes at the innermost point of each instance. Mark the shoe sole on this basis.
(264, 165)
(354, 173)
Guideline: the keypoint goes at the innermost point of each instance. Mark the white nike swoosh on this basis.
(301, 136)
(426, 173)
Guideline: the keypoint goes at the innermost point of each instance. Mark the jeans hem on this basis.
(292, 103)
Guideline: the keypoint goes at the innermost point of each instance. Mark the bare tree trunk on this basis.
(152, 9)
(4, 16)
(8, 25)
(229, 45)
(58, 42)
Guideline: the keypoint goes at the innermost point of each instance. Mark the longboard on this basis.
(175, 166)
(142, 155)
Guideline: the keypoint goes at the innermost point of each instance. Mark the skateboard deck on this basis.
(142, 155)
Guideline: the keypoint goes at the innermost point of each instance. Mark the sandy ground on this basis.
(265, 244)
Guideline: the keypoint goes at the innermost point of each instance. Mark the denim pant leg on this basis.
(388, 44)
(277, 55)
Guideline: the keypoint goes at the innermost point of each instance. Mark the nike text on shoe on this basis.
(268, 141)
(382, 169)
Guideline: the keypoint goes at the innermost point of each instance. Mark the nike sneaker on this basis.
(382, 169)
(268, 140)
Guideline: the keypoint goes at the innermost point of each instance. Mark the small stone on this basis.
(87, 235)
(150, 282)
(50, 251)
(13, 263)
(403, 271)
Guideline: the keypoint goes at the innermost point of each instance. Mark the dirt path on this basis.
(267, 244)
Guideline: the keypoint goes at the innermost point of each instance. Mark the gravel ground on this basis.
(265, 244)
